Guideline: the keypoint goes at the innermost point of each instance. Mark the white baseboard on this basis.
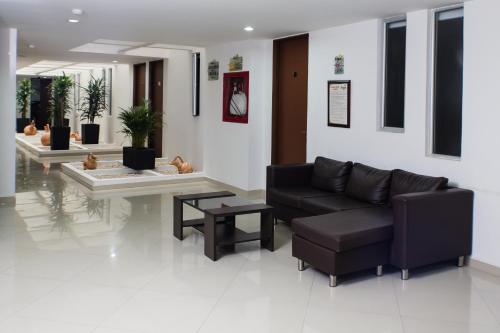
(494, 270)
(255, 194)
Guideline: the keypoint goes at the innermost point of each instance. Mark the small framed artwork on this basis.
(235, 97)
(339, 104)
(339, 64)
(236, 63)
(213, 70)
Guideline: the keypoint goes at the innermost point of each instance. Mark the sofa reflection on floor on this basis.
(350, 217)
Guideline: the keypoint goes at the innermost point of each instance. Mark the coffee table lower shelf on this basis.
(219, 224)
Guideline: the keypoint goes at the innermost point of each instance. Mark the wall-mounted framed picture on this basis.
(339, 104)
(235, 97)
(213, 70)
(236, 63)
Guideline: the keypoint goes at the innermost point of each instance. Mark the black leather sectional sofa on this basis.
(348, 217)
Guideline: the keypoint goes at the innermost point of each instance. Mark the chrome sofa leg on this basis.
(380, 270)
(461, 261)
(405, 274)
(301, 265)
(333, 281)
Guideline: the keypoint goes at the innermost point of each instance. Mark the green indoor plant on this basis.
(23, 95)
(93, 106)
(138, 123)
(59, 105)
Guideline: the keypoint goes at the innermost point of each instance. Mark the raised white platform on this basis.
(33, 145)
(113, 175)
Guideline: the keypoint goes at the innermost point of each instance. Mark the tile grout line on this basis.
(395, 294)
(222, 295)
(308, 300)
(475, 288)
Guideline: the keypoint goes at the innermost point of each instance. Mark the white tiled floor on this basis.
(72, 264)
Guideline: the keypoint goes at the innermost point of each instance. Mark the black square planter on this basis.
(59, 138)
(90, 134)
(21, 123)
(139, 158)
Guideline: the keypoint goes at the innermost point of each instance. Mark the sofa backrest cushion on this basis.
(330, 175)
(406, 182)
(369, 184)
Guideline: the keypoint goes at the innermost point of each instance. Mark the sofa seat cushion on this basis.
(346, 230)
(336, 203)
(330, 175)
(404, 182)
(369, 184)
(293, 196)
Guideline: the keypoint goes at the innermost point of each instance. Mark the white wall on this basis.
(478, 167)
(238, 153)
(122, 98)
(182, 133)
(8, 47)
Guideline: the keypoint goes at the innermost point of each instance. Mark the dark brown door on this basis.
(139, 83)
(290, 100)
(156, 99)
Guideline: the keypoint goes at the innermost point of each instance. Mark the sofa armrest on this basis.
(289, 175)
(431, 226)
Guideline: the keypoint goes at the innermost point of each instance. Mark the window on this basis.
(447, 85)
(394, 74)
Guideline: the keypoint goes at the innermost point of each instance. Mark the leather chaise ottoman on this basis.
(344, 242)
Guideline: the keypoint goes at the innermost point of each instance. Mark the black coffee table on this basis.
(219, 224)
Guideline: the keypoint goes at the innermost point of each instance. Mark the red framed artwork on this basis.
(235, 97)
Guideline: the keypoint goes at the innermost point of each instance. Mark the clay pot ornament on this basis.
(182, 167)
(76, 136)
(90, 163)
(30, 130)
(45, 139)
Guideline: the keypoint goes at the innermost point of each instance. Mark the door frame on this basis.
(275, 101)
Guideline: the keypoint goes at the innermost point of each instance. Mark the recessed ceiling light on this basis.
(249, 28)
(31, 46)
(77, 11)
(73, 20)
(114, 61)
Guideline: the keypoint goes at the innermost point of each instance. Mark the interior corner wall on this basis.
(237, 154)
(122, 96)
(182, 133)
(363, 142)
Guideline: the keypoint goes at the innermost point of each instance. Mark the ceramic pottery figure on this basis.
(30, 130)
(182, 167)
(90, 163)
(45, 139)
(76, 136)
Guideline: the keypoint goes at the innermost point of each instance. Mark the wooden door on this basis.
(290, 100)
(139, 83)
(40, 101)
(156, 99)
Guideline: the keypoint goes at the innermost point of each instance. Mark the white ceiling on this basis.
(192, 22)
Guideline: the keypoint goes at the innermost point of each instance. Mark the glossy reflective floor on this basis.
(69, 263)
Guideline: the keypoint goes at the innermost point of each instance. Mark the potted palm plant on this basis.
(23, 98)
(94, 103)
(58, 107)
(138, 123)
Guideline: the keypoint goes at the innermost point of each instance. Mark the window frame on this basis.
(385, 23)
(431, 79)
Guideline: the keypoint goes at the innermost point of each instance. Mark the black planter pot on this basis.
(66, 122)
(21, 123)
(59, 138)
(90, 134)
(139, 158)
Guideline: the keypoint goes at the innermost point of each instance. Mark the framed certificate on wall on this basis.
(339, 104)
